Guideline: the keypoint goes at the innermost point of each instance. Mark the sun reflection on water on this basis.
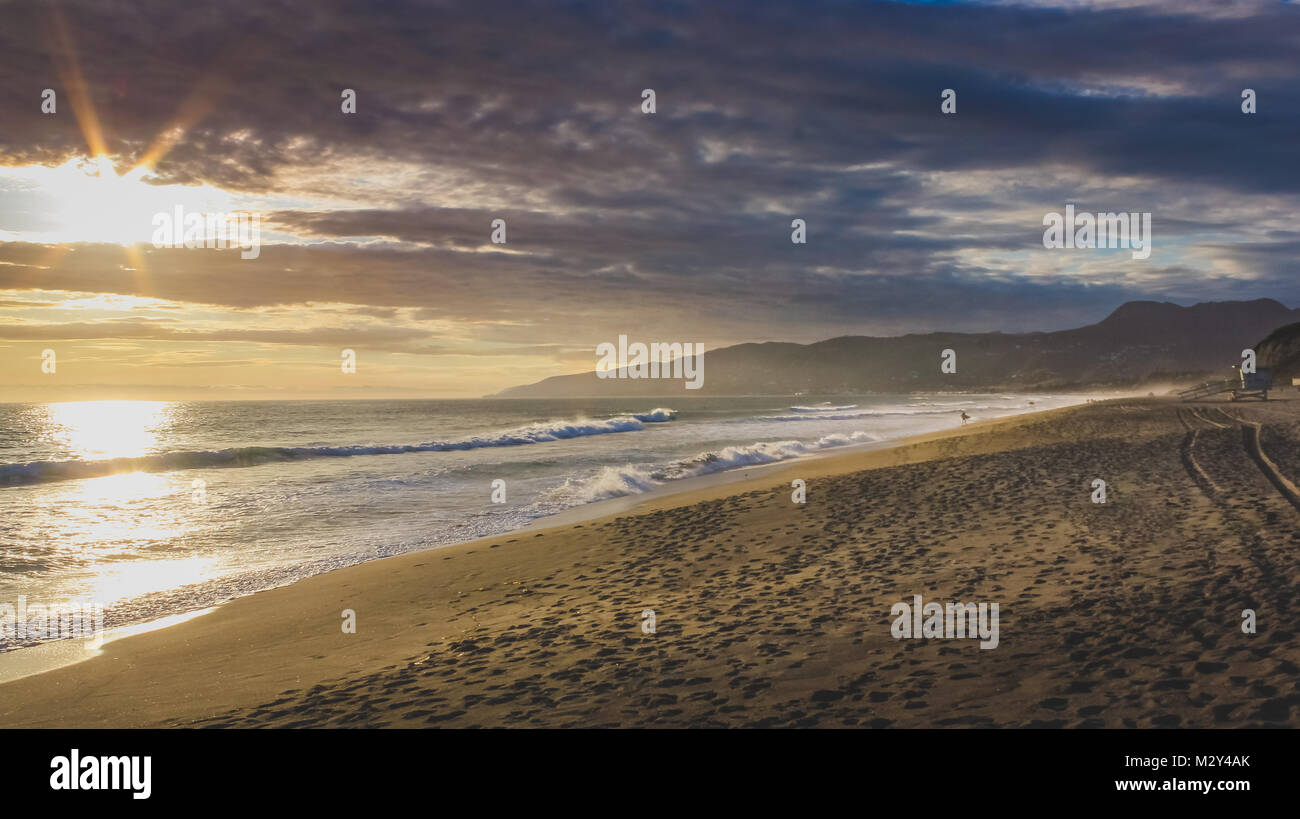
(125, 534)
(94, 430)
(125, 581)
(118, 512)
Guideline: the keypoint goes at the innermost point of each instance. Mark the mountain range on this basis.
(1140, 342)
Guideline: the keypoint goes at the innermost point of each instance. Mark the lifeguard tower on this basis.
(1245, 385)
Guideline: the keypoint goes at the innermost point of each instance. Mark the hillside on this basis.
(1281, 353)
(1139, 341)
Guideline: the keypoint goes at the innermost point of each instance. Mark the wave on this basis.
(825, 406)
(51, 471)
(891, 413)
(830, 416)
(657, 415)
(631, 479)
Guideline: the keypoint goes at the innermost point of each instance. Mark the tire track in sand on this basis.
(1250, 439)
(1187, 453)
(1256, 548)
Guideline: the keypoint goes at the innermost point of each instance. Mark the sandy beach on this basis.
(1126, 613)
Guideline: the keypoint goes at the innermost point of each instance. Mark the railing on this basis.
(1210, 389)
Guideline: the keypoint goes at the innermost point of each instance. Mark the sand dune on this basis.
(770, 613)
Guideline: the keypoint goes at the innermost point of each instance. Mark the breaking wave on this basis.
(630, 479)
(825, 406)
(50, 471)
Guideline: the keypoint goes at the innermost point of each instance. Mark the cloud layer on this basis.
(674, 225)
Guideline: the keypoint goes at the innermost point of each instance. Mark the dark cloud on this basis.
(378, 338)
(531, 302)
(546, 92)
(678, 222)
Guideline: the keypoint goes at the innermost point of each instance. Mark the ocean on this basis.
(153, 509)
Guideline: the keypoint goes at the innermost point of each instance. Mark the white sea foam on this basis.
(47, 471)
(825, 406)
(630, 479)
(269, 526)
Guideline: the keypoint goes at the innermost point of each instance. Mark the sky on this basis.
(672, 226)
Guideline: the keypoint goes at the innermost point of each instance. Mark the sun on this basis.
(96, 204)
(87, 200)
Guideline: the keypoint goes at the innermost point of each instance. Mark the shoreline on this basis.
(634, 503)
(55, 654)
(51, 655)
(259, 647)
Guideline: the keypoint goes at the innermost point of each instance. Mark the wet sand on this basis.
(771, 613)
